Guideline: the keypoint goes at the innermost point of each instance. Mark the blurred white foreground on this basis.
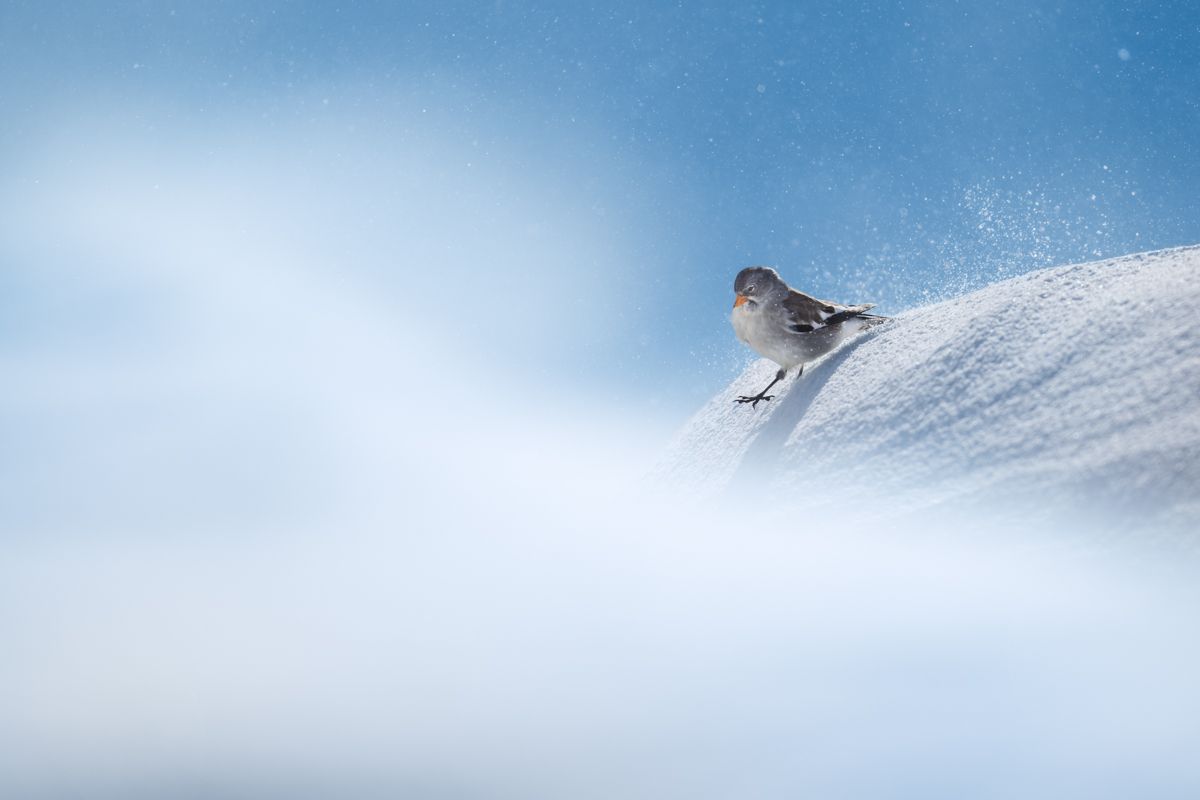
(268, 560)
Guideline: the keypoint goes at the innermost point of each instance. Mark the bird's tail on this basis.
(873, 319)
(861, 313)
(856, 312)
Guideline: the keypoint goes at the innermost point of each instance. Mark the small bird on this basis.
(787, 326)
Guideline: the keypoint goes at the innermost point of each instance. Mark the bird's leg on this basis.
(753, 401)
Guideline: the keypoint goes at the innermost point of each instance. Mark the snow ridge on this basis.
(1073, 388)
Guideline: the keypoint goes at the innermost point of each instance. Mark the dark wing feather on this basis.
(807, 314)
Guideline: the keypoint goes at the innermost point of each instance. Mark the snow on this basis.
(1069, 391)
(323, 581)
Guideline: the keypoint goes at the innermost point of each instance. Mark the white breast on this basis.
(743, 320)
(753, 327)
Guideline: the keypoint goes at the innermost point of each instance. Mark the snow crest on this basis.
(1074, 388)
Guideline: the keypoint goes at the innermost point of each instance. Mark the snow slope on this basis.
(1074, 389)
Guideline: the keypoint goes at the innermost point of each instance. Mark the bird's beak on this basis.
(737, 301)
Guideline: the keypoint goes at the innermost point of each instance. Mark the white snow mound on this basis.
(1074, 388)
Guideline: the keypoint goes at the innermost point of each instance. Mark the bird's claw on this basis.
(753, 401)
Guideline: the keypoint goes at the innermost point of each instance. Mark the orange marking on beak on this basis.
(737, 301)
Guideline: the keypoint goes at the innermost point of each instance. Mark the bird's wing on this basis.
(807, 314)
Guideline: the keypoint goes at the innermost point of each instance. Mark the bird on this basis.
(787, 326)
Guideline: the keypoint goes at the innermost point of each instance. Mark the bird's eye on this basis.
(750, 288)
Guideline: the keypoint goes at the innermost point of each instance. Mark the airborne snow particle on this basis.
(760, 88)
(1123, 54)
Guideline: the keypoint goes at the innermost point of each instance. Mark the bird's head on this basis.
(755, 284)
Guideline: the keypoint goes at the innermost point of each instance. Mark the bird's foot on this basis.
(753, 401)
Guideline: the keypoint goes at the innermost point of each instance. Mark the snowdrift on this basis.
(1070, 390)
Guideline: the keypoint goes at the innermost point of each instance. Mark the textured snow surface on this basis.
(1072, 389)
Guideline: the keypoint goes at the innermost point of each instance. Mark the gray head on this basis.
(756, 284)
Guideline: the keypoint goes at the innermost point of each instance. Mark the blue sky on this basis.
(887, 152)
